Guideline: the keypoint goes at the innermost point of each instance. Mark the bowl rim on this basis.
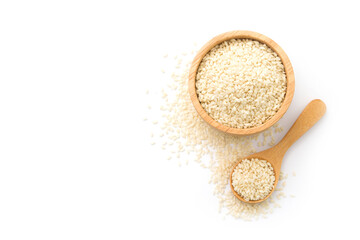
(290, 78)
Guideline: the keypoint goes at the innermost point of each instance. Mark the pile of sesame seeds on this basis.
(253, 179)
(241, 83)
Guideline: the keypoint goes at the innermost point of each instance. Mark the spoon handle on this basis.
(309, 116)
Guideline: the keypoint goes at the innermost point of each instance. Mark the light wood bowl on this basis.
(241, 35)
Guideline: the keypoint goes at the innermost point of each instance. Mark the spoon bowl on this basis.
(309, 116)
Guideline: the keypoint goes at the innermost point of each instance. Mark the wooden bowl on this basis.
(238, 35)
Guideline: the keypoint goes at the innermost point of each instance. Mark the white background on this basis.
(75, 158)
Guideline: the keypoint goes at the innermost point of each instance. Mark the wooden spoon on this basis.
(311, 114)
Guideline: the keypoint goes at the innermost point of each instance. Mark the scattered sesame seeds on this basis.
(185, 131)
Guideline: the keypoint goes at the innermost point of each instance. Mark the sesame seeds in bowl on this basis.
(241, 82)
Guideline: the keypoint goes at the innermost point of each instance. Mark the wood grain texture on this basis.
(309, 116)
(241, 35)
